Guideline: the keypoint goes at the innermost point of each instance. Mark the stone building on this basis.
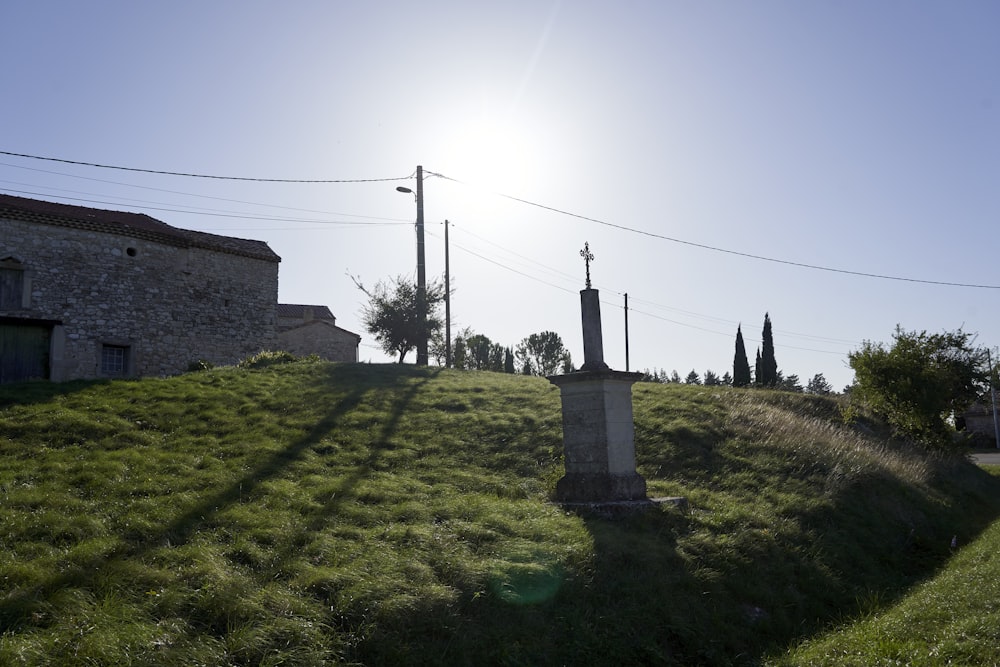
(305, 330)
(88, 293)
(978, 419)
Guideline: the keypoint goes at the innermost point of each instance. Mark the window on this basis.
(114, 360)
(11, 284)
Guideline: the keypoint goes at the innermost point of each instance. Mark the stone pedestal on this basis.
(598, 437)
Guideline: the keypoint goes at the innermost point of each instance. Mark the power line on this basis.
(642, 312)
(726, 250)
(527, 202)
(822, 339)
(210, 176)
(549, 269)
(503, 266)
(180, 192)
(241, 216)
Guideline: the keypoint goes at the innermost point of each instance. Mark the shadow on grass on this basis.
(17, 607)
(42, 391)
(648, 602)
(628, 606)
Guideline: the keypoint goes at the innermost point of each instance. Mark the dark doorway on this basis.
(24, 350)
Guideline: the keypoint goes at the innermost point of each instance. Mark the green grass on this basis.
(310, 513)
(951, 619)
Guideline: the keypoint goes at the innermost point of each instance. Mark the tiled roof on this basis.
(298, 311)
(135, 225)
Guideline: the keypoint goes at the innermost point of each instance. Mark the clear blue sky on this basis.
(857, 136)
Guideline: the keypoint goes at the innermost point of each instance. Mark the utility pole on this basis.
(421, 273)
(626, 332)
(447, 302)
(993, 400)
(421, 270)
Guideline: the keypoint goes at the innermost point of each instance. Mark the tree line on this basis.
(391, 317)
(765, 373)
(919, 383)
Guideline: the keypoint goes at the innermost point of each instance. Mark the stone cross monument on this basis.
(598, 431)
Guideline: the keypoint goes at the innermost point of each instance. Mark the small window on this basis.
(114, 360)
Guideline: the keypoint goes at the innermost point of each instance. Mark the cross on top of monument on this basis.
(587, 257)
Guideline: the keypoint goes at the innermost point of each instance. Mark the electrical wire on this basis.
(726, 250)
(633, 310)
(652, 303)
(527, 202)
(180, 192)
(209, 176)
(217, 215)
(503, 266)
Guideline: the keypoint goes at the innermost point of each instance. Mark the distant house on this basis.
(88, 293)
(978, 419)
(305, 330)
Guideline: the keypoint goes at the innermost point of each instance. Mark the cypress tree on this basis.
(508, 360)
(741, 367)
(757, 370)
(769, 365)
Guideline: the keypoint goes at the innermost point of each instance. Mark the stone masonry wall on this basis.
(170, 305)
(325, 340)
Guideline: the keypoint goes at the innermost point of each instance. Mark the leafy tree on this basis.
(459, 351)
(543, 354)
(741, 367)
(819, 385)
(692, 377)
(474, 351)
(790, 383)
(675, 377)
(768, 365)
(919, 381)
(483, 354)
(711, 379)
(727, 379)
(390, 315)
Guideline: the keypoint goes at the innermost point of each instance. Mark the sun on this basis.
(491, 155)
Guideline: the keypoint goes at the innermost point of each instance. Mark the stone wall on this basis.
(167, 305)
(321, 338)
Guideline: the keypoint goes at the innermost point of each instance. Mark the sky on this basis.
(832, 163)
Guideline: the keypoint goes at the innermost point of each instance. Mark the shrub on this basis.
(267, 358)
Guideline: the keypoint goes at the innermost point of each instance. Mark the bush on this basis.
(267, 358)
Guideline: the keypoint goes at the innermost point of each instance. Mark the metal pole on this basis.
(993, 400)
(447, 302)
(421, 273)
(626, 332)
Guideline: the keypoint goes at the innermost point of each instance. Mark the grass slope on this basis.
(952, 619)
(314, 513)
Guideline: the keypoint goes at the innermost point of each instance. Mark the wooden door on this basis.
(24, 351)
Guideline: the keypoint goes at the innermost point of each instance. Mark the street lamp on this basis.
(421, 270)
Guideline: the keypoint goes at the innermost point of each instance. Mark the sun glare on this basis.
(490, 155)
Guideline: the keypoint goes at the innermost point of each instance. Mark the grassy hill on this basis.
(313, 513)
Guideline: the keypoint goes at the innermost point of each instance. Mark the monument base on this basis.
(618, 509)
(600, 487)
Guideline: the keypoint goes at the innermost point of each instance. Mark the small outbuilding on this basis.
(305, 330)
